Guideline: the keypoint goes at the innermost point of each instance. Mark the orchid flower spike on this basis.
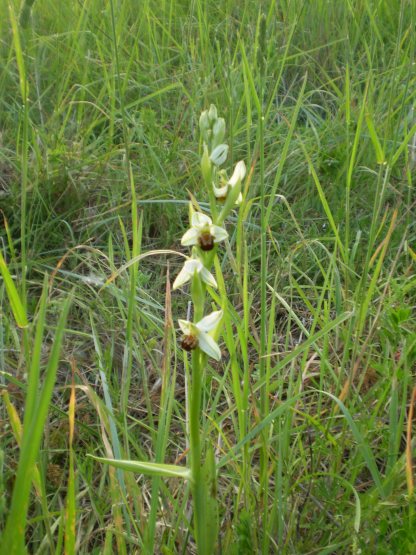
(203, 233)
(235, 181)
(197, 335)
(191, 267)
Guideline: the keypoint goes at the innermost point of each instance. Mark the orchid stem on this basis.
(197, 484)
(195, 416)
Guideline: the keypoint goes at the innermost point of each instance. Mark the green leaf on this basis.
(148, 468)
(374, 139)
(19, 53)
(363, 446)
(33, 430)
(16, 304)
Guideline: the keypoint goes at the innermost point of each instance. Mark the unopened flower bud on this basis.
(212, 114)
(219, 154)
(204, 121)
(218, 132)
(206, 165)
(204, 125)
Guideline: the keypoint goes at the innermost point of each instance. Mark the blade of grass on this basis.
(148, 468)
(14, 533)
(409, 465)
(24, 92)
(168, 381)
(362, 445)
(70, 513)
(16, 304)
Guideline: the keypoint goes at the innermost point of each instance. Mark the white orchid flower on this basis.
(235, 181)
(203, 233)
(190, 268)
(197, 335)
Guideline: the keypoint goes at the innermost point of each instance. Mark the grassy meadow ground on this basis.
(314, 439)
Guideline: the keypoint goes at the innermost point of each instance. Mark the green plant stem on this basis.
(264, 395)
(195, 415)
(263, 271)
(198, 489)
(23, 202)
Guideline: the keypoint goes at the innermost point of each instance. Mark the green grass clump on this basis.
(308, 412)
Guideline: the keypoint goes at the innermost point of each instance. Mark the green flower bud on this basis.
(218, 132)
(206, 165)
(219, 154)
(212, 114)
(204, 125)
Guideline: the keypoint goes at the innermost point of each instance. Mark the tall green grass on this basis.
(308, 412)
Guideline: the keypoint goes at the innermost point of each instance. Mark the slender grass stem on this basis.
(264, 394)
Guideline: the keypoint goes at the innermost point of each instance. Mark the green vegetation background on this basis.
(86, 87)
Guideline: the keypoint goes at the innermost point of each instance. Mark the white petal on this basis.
(219, 154)
(186, 326)
(239, 173)
(209, 322)
(190, 237)
(239, 199)
(181, 278)
(218, 233)
(208, 345)
(193, 265)
(220, 192)
(208, 278)
(200, 220)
